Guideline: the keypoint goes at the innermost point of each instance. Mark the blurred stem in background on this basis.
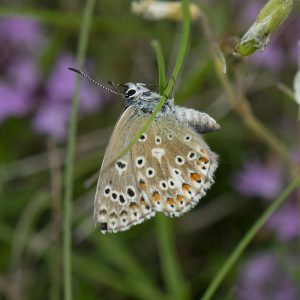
(56, 192)
(69, 173)
(248, 237)
(38, 205)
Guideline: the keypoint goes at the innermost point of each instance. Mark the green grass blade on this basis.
(69, 173)
(171, 270)
(160, 64)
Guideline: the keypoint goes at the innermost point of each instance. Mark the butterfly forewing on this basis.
(169, 169)
(118, 204)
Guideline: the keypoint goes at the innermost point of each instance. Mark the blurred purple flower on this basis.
(20, 41)
(272, 57)
(248, 12)
(286, 221)
(262, 278)
(258, 180)
(21, 32)
(23, 74)
(61, 85)
(53, 116)
(13, 102)
(52, 119)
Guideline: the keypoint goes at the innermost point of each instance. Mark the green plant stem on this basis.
(167, 91)
(171, 270)
(240, 248)
(160, 64)
(165, 235)
(69, 173)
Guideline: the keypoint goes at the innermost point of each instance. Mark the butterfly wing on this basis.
(119, 201)
(169, 169)
(181, 162)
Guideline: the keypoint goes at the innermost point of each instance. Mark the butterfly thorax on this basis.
(145, 100)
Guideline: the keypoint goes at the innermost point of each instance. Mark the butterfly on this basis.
(168, 170)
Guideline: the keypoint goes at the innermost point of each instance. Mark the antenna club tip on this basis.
(74, 70)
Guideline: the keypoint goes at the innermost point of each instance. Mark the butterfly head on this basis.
(138, 94)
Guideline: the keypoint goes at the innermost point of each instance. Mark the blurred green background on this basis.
(38, 42)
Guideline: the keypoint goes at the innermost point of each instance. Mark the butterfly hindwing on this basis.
(182, 166)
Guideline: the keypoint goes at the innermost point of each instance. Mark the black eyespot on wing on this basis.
(122, 199)
(103, 226)
(121, 165)
(130, 192)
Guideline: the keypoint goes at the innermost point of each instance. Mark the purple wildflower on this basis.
(248, 12)
(13, 102)
(52, 119)
(272, 57)
(53, 116)
(23, 74)
(21, 32)
(286, 221)
(263, 277)
(256, 179)
(18, 36)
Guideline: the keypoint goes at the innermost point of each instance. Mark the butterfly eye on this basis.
(130, 93)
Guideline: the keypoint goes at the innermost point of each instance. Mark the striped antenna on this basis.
(94, 81)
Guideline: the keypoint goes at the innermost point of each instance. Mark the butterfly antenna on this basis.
(114, 86)
(94, 81)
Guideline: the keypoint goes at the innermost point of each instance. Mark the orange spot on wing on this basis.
(179, 198)
(203, 159)
(186, 187)
(156, 196)
(195, 177)
(133, 205)
(170, 201)
(142, 185)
